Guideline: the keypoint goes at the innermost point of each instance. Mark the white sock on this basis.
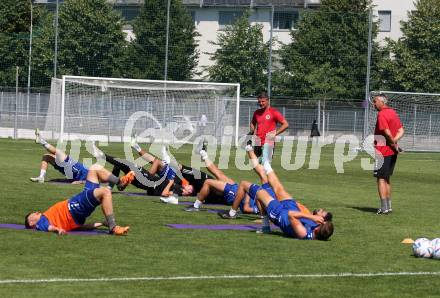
(165, 156)
(232, 212)
(197, 204)
(96, 152)
(44, 143)
(204, 154)
(267, 167)
(249, 148)
(136, 147)
(42, 173)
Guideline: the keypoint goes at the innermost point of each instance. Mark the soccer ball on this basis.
(435, 244)
(422, 248)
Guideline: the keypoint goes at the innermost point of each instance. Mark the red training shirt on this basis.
(387, 118)
(266, 121)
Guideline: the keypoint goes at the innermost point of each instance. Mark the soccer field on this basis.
(363, 258)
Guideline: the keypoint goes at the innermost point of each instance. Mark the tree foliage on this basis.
(14, 39)
(242, 56)
(414, 63)
(328, 55)
(91, 41)
(146, 58)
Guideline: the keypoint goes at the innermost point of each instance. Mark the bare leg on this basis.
(146, 156)
(277, 187)
(98, 174)
(156, 166)
(257, 167)
(217, 172)
(208, 186)
(104, 195)
(384, 190)
(45, 160)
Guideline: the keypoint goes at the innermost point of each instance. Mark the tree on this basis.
(414, 63)
(241, 57)
(14, 39)
(91, 41)
(328, 55)
(146, 58)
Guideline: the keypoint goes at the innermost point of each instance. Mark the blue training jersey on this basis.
(72, 169)
(167, 172)
(284, 222)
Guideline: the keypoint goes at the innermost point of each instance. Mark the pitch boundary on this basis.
(213, 277)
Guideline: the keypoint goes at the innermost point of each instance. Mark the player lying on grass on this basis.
(61, 162)
(247, 203)
(71, 214)
(160, 179)
(293, 218)
(153, 184)
(192, 179)
(220, 190)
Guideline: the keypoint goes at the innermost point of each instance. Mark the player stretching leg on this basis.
(293, 218)
(247, 203)
(62, 162)
(222, 185)
(71, 214)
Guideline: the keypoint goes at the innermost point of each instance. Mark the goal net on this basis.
(420, 116)
(173, 111)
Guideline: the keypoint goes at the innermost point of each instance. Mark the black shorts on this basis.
(387, 169)
(195, 177)
(258, 150)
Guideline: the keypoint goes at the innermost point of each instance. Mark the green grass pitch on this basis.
(362, 243)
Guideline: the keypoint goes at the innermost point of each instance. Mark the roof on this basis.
(208, 3)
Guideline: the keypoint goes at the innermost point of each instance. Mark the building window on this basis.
(193, 17)
(226, 18)
(384, 20)
(129, 13)
(285, 20)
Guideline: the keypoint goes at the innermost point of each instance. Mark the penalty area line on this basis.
(214, 277)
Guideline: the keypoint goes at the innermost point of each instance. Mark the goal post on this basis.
(420, 116)
(96, 108)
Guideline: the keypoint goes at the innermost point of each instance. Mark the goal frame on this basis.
(408, 130)
(66, 77)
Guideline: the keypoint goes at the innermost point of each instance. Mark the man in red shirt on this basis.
(388, 131)
(264, 126)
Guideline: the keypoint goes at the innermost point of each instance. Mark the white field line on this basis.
(214, 277)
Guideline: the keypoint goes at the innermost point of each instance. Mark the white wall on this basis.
(399, 12)
(208, 27)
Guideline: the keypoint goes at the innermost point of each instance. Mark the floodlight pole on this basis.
(30, 61)
(367, 80)
(167, 40)
(55, 58)
(269, 70)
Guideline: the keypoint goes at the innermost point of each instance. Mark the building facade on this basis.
(212, 16)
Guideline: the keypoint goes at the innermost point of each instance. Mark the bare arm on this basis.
(252, 128)
(299, 230)
(57, 230)
(166, 192)
(241, 192)
(298, 214)
(388, 136)
(283, 127)
(399, 134)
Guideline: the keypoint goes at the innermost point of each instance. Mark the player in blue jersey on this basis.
(220, 190)
(293, 218)
(243, 200)
(61, 162)
(71, 214)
